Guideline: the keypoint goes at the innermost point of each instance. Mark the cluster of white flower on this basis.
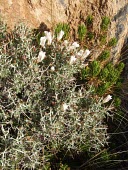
(81, 55)
(47, 38)
(77, 55)
(71, 47)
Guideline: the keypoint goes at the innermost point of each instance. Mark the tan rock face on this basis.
(117, 10)
(33, 12)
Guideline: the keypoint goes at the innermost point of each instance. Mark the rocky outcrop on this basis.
(34, 12)
(117, 10)
(124, 90)
(120, 28)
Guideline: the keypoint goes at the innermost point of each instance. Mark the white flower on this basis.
(42, 41)
(80, 53)
(60, 35)
(48, 37)
(74, 46)
(107, 99)
(64, 107)
(41, 56)
(80, 93)
(65, 42)
(85, 54)
(72, 60)
(52, 68)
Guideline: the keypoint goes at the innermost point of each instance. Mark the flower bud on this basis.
(41, 56)
(48, 37)
(60, 35)
(42, 41)
(107, 99)
(52, 68)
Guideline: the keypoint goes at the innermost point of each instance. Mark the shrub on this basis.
(85, 73)
(43, 109)
(89, 20)
(90, 71)
(111, 74)
(3, 33)
(90, 35)
(82, 30)
(62, 26)
(105, 23)
(95, 68)
(104, 74)
(120, 67)
(102, 89)
(112, 42)
(117, 102)
(103, 39)
(104, 55)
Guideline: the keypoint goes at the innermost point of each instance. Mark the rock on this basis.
(120, 28)
(50, 12)
(32, 12)
(124, 90)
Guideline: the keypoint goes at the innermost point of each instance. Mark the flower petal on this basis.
(49, 37)
(107, 99)
(60, 35)
(41, 56)
(72, 60)
(42, 41)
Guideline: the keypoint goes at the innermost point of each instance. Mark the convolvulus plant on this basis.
(43, 108)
